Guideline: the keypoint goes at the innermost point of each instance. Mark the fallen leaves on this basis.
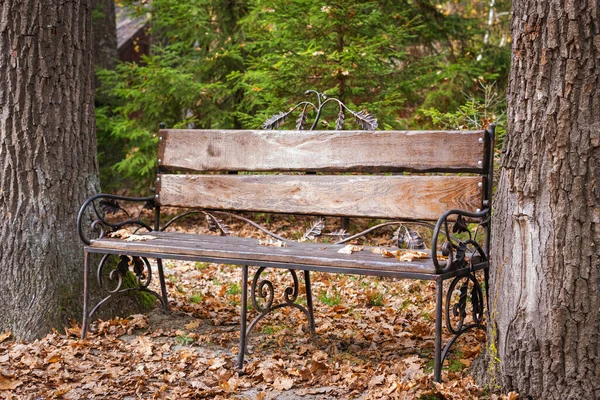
(139, 238)
(4, 336)
(282, 383)
(365, 347)
(9, 384)
(349, 249)
(272, 243)
(401, 255)
(129, 237)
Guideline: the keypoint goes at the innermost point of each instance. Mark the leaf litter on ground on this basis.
(362, 350)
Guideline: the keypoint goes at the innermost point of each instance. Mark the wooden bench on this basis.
(399, 176)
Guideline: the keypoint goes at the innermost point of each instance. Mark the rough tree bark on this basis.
(545, 287)
(47, 159)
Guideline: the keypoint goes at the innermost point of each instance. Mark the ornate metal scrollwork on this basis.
(140, 266)
(111, 277)
(102, 205)
(265, 290)
(363, 119)
(456, 310)
(457, 250)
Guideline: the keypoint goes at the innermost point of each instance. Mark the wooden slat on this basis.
(248, 249)
(410, 197)
(381, 151)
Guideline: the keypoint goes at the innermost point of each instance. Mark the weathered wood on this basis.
(409, 197)
(382, 151)
(248, 249)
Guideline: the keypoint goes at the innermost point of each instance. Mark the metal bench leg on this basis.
(244, 305)
(84, 322)
(437, 364)
(309, 303)
(163, 285)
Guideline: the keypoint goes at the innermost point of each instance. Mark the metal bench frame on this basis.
(460, 271)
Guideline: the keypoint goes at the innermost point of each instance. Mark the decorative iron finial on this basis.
(365, 120)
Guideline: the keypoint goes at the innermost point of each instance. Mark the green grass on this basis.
(196, 298)
(331, 300)
(234, 289)
(455, 366)
(201, 265)
(184, 340)
(375, 299)
(269, 330)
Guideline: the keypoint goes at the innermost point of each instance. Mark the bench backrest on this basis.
(353, 171)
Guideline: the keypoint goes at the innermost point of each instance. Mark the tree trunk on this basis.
(544, 337)
(48, 159)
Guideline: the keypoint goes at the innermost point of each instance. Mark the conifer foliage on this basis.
(234, 64)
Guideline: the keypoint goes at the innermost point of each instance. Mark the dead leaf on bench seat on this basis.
(409, 255)
(385, 253)
(272, 243)
(350, 248)
(139, 238)
(120, 234)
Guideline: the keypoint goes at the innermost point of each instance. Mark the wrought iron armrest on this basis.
(100, 205)
(453, 248)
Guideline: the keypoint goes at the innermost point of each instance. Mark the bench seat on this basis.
(401, 177)
(228, 249)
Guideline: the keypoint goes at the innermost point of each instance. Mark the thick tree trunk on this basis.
(545, 285)
(47, 159)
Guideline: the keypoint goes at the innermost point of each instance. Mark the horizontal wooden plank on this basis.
(404, 196)
(380, 151)
(248, 249)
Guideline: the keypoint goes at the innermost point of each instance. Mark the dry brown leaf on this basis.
(144, 346)
(139, 321)
(383, 251)
(9, 384)
(217, 363)
(272, 243)
(350, 248)
(305, 374)
(409, 255)
(283, 383)
(139, 238)
(4, 336)
(376, 380)
(120, 234)
(261, 396)
(414, 370)
(54, 359)
(193, 325)
(465, 362)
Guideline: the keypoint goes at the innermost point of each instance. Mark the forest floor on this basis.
(374, 341)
